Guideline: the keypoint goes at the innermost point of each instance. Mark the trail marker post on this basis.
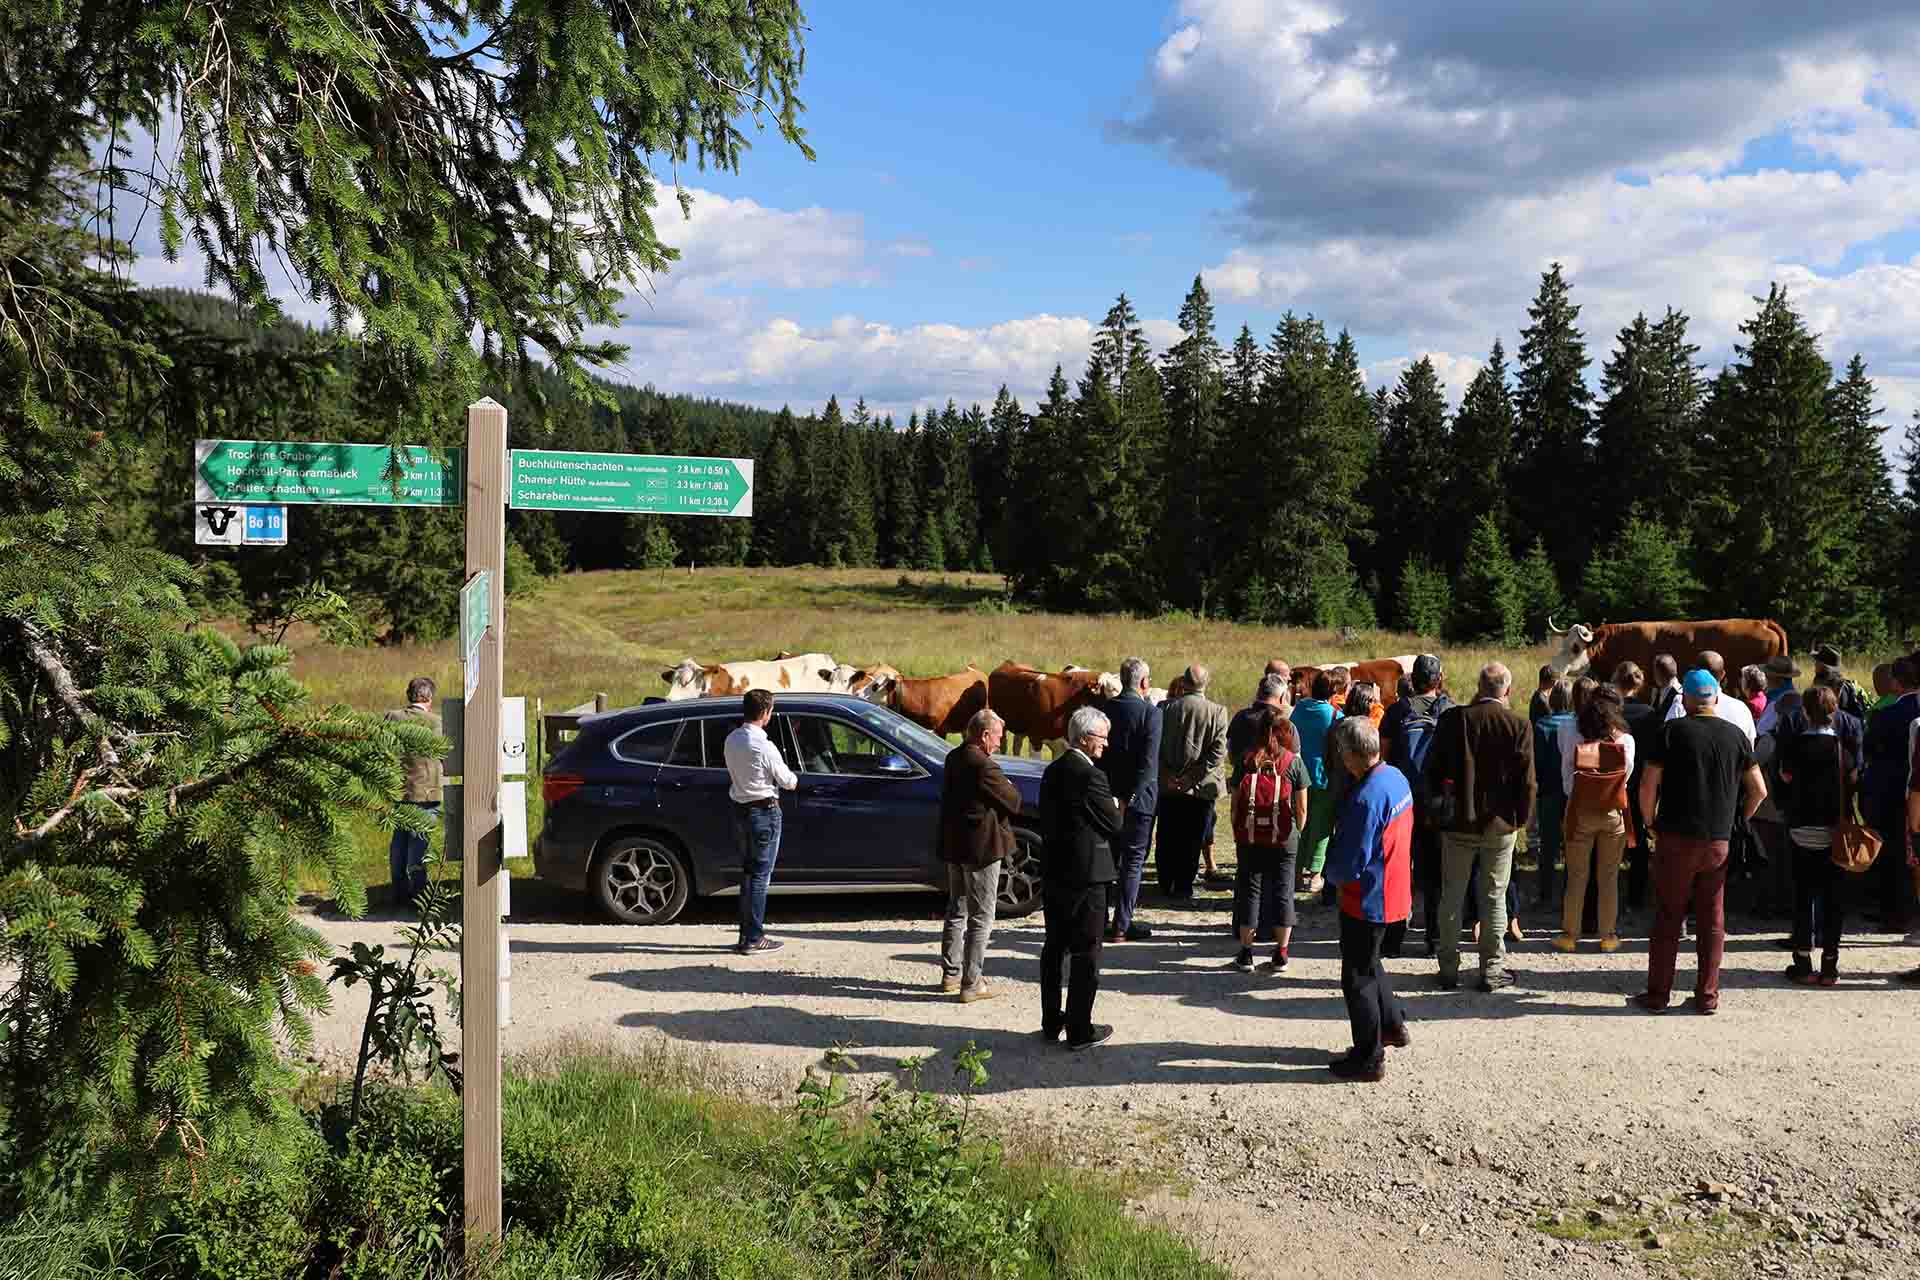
(482, 940)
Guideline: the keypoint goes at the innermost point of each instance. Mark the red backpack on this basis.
(1263, 803)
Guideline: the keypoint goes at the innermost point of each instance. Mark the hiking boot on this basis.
(1243, 960)
(950, 986)
(1099, 1033)
(1565, 942)
(1499, 980)
(1610, 943)
(1359, 1070)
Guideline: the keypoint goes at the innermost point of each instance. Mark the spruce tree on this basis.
(1120, 418)
(1646, 428)
(903, 495)
(1407, 487)
(1786, 543)
(773, 484)
(1486, 598)
(1640, 575)
(1190, 522)
(1539, 587)
(1424, 605)
(1905, 597)
(998, 479)
(1482, 452)
(964, 433)
(1048, 546)
(1852, 413)
(1552, 428)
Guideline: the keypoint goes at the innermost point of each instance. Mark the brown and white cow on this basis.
(1383, 673)
(805, 673)
(1741, 641)
(1108, 684)
(943, 704)
(1036, 704)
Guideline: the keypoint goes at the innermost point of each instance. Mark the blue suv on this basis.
(637, 814)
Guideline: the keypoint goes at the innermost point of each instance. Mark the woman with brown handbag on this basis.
(1819, 778)
(1594, 774)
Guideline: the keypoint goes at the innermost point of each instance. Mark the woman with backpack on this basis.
(1820, 776)
(1593, 776)
(1269, 811)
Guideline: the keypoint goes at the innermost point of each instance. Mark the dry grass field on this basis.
(615, 632)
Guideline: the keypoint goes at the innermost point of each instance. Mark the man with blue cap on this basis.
(1700, 770)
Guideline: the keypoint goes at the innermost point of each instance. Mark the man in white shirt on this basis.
(1733, 710)
(757, 775)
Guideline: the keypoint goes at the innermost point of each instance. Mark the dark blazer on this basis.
(1080, 814)
(975, 802)
(1132, 759)
(1494, 780)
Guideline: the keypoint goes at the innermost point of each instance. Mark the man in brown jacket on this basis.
(976, 803)
(407, 854)
(1483, 757)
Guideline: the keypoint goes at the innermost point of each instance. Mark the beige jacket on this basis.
(423, 772)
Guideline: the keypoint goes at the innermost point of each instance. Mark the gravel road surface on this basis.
(1548, 1130)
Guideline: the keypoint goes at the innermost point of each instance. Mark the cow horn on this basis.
(1559, 631)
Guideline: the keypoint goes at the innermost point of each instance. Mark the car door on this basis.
(696, 806)
(865, 810)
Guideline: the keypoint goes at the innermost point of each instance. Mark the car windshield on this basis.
(902, 729)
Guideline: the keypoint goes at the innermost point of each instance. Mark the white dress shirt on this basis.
(754, 766)
(1733, 710)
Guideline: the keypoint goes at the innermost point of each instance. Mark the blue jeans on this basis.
(1130, 850)
(407, 857)
(756, 833)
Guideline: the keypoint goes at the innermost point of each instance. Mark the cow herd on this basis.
(1036, 703)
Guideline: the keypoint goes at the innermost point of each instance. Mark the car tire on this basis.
(641, 880)
(1020, 875)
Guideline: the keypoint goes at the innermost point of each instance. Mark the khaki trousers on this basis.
(1595, 844)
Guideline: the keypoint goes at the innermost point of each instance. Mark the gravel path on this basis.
(1544, 1131)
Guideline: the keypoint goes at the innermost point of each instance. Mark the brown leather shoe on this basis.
(1397, 1037)
(982, 992)
(949, 986)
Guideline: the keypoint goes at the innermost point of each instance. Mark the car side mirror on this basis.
(896, 764)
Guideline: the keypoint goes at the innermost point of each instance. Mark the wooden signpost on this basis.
(239, 475)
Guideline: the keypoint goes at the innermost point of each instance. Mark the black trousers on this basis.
(1263, 887)
(1076, 918)
(1426, 876)
(1640, 851)
(1890, 881)
(1176, 855)
(1371, 1005)
(1817, 897)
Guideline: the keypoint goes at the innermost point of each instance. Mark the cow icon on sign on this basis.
(218, 518)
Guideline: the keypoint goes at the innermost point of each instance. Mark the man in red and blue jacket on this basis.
(1371, 860)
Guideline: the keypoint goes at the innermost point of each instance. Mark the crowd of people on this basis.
(1682, 781)
(1672, 778)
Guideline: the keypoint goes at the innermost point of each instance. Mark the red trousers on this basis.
(1688, 871)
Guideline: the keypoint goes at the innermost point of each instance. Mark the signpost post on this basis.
(482, 941)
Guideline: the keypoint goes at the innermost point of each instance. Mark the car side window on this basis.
(686, 750)
(649, 744)
(833, 746)
(716, 732)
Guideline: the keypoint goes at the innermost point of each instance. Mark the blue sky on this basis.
(989, 177)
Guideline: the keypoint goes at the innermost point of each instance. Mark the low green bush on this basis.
(617, 1168)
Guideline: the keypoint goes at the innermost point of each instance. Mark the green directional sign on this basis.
(306, 471)
(548, 480)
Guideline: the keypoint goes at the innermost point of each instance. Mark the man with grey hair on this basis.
(1193, 747)
(1132, 766)
(1481, 771)
(1078, 871)
(976, 836)
(1271, 692)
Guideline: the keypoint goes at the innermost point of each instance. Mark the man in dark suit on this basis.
(976, 802)
(1132, 767)
(1081, 818)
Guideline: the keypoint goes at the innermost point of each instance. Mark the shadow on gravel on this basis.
(1021, 1060)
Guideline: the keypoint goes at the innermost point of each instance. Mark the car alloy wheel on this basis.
(1020, 875)
(641, 881)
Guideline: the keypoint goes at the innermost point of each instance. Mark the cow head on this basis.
(1107, 684)
(875, 684)
(1577, 640)
(688, 680)
(839, 678)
